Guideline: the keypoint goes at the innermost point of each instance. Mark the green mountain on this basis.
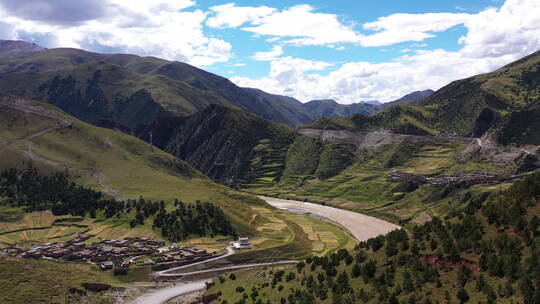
(224, 143)
(330, 108)
(413, 97)
(291, 108)
(132, 90)
(39, 135)
(303, 113)
(400, 119)
(485, 104)
(476, 105)
(486, 252)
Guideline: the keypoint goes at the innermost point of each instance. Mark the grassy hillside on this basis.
(471, 107)
(401, 119)
(98, 90)
(16, 274)
(486, 252)
(81, 79)
(330, 108)
(119, 165)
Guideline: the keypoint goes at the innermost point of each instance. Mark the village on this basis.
(471, 178)
(117, 255)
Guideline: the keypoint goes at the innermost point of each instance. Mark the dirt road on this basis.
(171, 272)
(161, 296)
(230, 268)
(361, 226)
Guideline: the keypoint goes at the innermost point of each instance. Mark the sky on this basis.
(346, 50)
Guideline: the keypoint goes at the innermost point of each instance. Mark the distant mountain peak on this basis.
(18, 46)
(411, 98)
(372, 102)
(320, 101)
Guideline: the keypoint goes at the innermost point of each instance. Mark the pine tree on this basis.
(462, 296)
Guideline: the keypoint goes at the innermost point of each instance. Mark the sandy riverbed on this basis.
(361, 226)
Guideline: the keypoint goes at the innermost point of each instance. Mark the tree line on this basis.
(33, 191)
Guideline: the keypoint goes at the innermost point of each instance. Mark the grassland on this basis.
(47, 281)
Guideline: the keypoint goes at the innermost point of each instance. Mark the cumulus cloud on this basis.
(495, 37)
(305, 26)
(300, 24)
(276, 51)
(161, 28)
(398, 28)
(511, 31)
(230, 16)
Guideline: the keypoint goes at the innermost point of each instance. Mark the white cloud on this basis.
(159, 28)
(495, 37)
(273, 39)
(276, 51)
(300, 24)
(509, 32)
(398, 28)
(304, 26)
(230, 16)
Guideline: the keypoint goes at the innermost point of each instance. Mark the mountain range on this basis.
(134, 90)
(250, 139)
(500, 105)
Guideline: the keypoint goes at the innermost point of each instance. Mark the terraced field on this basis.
(40, 227)
(275, 229)
(325, 237)
(266, 163)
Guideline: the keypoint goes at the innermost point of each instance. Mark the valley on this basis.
(128, 168)
(144, 180)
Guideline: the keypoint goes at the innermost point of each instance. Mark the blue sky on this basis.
(350, 51)
(351, 12)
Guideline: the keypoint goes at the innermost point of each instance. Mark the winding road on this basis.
(235, 267)
(165, 294)
(165, 273)
(161, 296)
(362, 227)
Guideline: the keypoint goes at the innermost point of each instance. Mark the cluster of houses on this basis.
(77, 249)
(472, 178)
(109, 254)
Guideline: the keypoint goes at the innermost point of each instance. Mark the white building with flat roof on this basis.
(242, 243)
